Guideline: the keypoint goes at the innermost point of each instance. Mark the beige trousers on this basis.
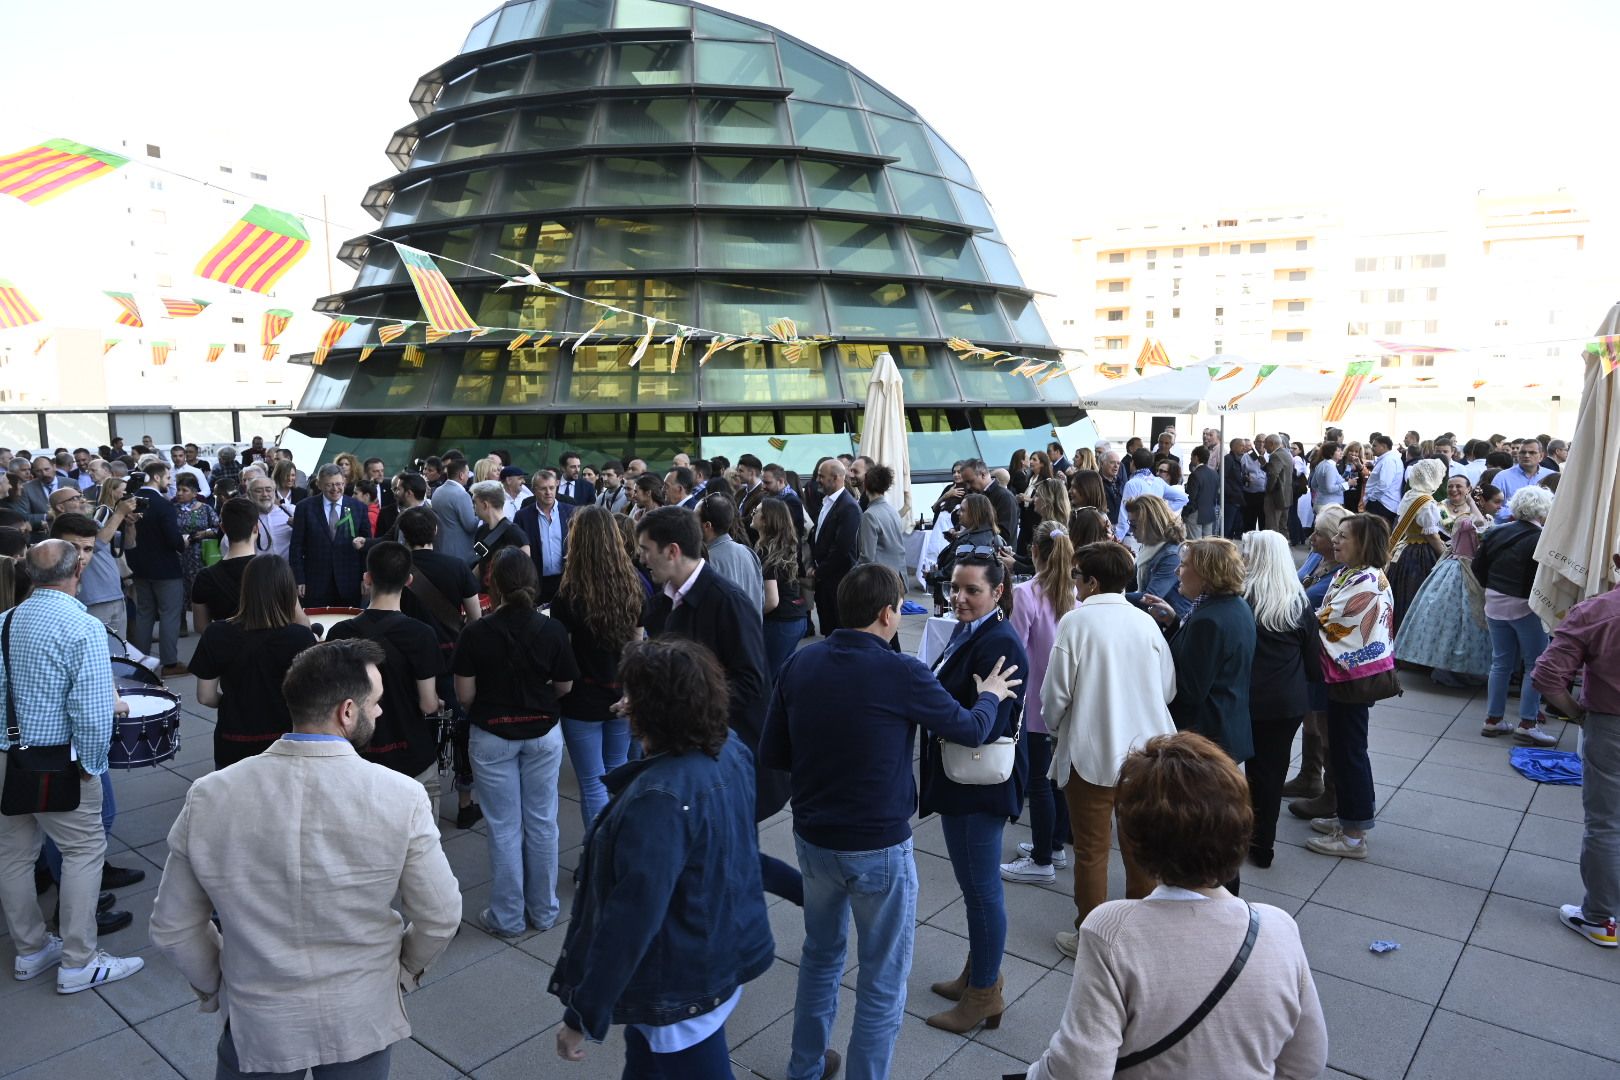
(83, 842)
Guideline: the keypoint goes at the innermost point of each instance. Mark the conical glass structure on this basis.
(679, 162)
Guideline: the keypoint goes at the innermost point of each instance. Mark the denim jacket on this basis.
(669, 914)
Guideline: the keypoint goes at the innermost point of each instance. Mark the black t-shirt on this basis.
(597, 687)
(515, 655)
(405, 740)
(789, 600)
(219, 587)
(249, 665)
(454, 581)
(504, 535)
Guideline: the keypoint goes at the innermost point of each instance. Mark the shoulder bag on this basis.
(39, 779)
(985, 765)
(1367, 690)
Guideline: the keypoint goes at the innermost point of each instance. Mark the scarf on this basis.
(1357, 618)
(1198, 602)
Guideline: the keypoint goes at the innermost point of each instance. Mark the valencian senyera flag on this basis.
(183, 309)
(340, 324)
(444, 310)
(160, 352)
(257, 251)
(215, 351)
(54, 167)
(1354, 376)
(131, 315)
(275, 321)
(40, 346)
(387, 334)
(109, 344)
(271, 350)
(15, 310)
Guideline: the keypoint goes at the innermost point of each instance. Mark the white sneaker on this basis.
(1060, 857)
(1493, 728)
(48, 957)
(1535, 736)
(1327, 826)
(1027, 869)
(1068, 943)
(102, 969)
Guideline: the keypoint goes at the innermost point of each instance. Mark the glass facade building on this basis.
(677, 161)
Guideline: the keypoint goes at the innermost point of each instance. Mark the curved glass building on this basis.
(677, 161)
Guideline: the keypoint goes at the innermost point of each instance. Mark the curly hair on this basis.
(1216, 560)
(676, 696)
(599, 581)
(778, 547)
(1183, 809)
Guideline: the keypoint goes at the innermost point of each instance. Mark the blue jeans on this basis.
(158, 600)
(708, 1060)
(1512, 641)
(371, 1067)
(1352, 769)
(109, 810)
(595, 747)
(782, 636)
(974, 844)
(881, 888)
(1048, 810)
(517, 787)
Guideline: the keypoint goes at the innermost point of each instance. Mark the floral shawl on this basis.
(1358, 620)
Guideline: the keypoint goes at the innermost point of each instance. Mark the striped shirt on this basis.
(63, 677)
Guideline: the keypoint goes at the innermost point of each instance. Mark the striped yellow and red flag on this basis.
(41, 173)
(109, 344)
(414, 357)
(257, 251)
(131, 315)
(215, 350)
(1145, 356)
(271, 350)
(1158, 357)
(15, 310)
(339, 326)
(160, 352)
(275, 321)
(518, 342)
(443, 307)
(365, 353)
(39, 346)
(433, 334)
(1354, 376)
(183, 309)
(388, 334)
(1113, 371)
(1265, 372)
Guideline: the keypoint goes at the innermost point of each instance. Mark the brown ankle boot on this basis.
(1324, 805)
(978, 1005)
(952, 991)
(1312, 758)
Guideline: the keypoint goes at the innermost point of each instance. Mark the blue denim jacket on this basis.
(669, 915)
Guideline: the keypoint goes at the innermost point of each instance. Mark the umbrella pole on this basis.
(1225, 450)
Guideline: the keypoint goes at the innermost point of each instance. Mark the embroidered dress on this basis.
(1358, 625)
(1445, 626)
(1413, 558)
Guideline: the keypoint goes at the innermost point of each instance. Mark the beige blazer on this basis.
(301, 851)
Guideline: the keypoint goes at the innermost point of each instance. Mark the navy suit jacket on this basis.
(584, 492)
(528, 519)
(836, 542)
(939, 794)
(328, 566)
(156, 554)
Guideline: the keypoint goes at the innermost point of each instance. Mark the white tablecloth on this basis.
(936, 634)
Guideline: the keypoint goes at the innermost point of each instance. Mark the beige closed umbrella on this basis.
(883, 438)
(1583, 530)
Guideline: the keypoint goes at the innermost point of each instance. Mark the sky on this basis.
(1073, 114)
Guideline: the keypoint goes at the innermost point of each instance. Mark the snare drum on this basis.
(322, 619)
(150, 734)
(128, 675)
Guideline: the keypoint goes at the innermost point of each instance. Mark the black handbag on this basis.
(39, 779)
(1366, 691)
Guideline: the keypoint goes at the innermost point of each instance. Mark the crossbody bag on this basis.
(39, 779)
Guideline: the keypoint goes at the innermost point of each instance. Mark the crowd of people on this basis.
(1134, 647)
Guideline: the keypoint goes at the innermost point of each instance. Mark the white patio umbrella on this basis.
(883, 438)
(1583, 530)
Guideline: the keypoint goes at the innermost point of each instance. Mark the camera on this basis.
(137, 479)
(141, 503)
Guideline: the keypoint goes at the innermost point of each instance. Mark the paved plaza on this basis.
(1468, 863)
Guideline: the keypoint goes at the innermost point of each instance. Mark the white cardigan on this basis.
(1107, 688)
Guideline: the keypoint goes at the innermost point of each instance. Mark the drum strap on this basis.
(13, 732)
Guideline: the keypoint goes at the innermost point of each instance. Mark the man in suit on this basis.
(977, 475)
(37, 493)
(678, 488)
(1232, 469)
(1279, 484)
(572, 488)
(329, 535)
(750, 488)
(544, 520)
(453, 504)
(154, 561)
(836, 542)
(333, 885)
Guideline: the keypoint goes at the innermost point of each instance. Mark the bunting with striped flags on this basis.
(184, 309)
(39, 347)
(131, 315)
(275, 321)
(215, 351)
(414, 357)
(15, 310)
(270, 351)
(1152, 355)
(365, 353)
(390, 333)
(443, 307)
(433, 334)
(1112, 372)
(337, 328)
(160, 352)
(1265, 372)
(1354, 376)
(518, 342)
(54, 167)
(257, 251)
(1405, 348)
(1606, 351)
(109, 344)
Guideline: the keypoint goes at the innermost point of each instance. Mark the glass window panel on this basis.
(814, 76)
(477, 137)
(975, 210)
(553, 127)
(759, 374)
(393, 440)
(545, 185)
(639, 182)
(741, 181)
(430, 148)
(748, 307)
(998, 261)
(22, 429)
(755, 122)
(943, 254)
(533, 310)
(904, 140)
(736, 63)
(950, 160)
(794, 440)
(597, 376)
(920, 378)
(970, 314)
(649, 13)
(90, 429)
(868, 309)
(861, 246)
(577, 16)
(921, 196)
(517, 22)
(325, 388)
(498, 80)
(621, 244)
(749, 243)
(382, 263)
(833, 128)
(1026, 320)
(494, 377)
(660, 120)
(478, 38)
(981, 382)
(939, 438)
(845, 187)
(1002, 431)
(403, 207)
(211, 426)
(455, 91)
(879, 100)
(667, 300)
(566, 69)
(474, 382)
(545, 245)
(653, 63)
(531, 375)
(592, 435)
(713, 24)
(388, 381)
(456, 196)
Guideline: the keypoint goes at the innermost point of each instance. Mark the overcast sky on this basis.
(1072, 114)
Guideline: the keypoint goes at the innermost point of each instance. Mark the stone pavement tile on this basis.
(1509, 790)
(1531, 931)
(1337, 943)
(1395, 896)
(1464, 862)
(975, 1061)
(191, 762)
(1416, 722)
(787, 930)
(1554, 838)
(152, 991)
(1294, 870)
(919, 1050)
(1371, 1033)
(927, 836)
(1397, 743)
(468, 854)
(40, 1023)
(1483, 755)
(1539, 879)
(936, 884)
(186, 1039)
(1026, 1027)
(1559, 801)
(1389, 768)
(123, 1055)
(1451, 817)
(1423, 694)
(764, 1001)
(778, 841)
(1559, 1006)
(1033, 917)
(137, 937)
(413, 1061)
(1258, 895)
(141, 827)
(468, 947)
(135, 788)
(483, 1010)
(537, 1057)
(155, 854)
(1461, 1048)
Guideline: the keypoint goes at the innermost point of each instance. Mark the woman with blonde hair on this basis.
(1160, 533)
(486, 469)
(1085, 458)
(1049, 499)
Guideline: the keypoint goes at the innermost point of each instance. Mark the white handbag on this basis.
(984, 765)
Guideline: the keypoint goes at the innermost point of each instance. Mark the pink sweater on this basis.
(1036, 626)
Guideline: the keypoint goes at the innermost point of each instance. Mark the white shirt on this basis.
(826, 507)
(1384, 485)
(677, 595)
(515, 501)
(1146, 483)
(202, 478)
(275, 532)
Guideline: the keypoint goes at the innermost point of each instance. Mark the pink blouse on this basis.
(1036, 626)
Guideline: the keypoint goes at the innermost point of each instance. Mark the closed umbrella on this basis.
(1583, 529)
(883, 438)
